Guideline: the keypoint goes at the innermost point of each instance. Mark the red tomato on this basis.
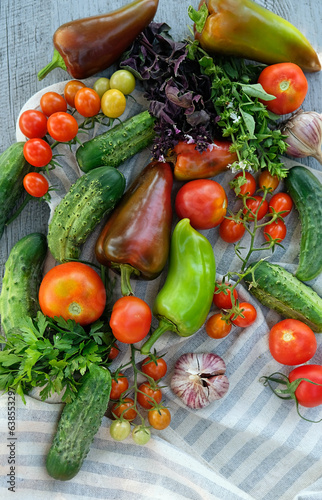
(51, 102)
(154, 367)
(216, 327)
(256, 205)
(249, 185)
(35, 184)
(37, 152)
(159, 418)
(276, 230)
(281, 202)
(267, 180)
(307, 394)
(147, 395)
(114, 352)
(70, 90)
(203, 201)
(119, 386)
(87, 102)
(249, 313)
(74, 291)
(231, 230)
(62, 127)
(292, 342)
(124, 409)
(130, 319)
(287, 82)
(222, 299)
(33, 123)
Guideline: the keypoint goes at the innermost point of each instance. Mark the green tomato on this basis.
(120, 429)
(101, 85)
(123, 80)
(141, 434)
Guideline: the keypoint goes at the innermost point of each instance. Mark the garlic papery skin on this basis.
(199, 379)
(304, 135)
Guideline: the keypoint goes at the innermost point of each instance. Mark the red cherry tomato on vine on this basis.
(114, 352)
(51, 102)
(307, 394)
(231, 230)
(130, 319)
(87, 102)
(267, 180)
(287, 82)
(216, 327)
(149, 392)
(126, 406)
(256, 205)
(281, 202)
(222, 299)
(275, 230)
(33, 123)
(292, 342)
(249, 186)
(203, 201)
(35, 184)
(155, 368)
(119, 386)
(37, 152)
(159, 418)
(62, 127)
(249, 313)
(70, 90)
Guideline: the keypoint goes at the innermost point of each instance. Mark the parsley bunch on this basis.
(53, 354)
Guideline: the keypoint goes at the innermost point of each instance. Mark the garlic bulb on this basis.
(304, 134)
(199, 379)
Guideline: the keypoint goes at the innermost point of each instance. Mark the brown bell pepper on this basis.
(84, 47)
(135, 241)
(192, 164)
(242, 28)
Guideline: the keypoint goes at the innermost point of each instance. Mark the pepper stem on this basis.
(165, 325)
(126, 273)
(56, 62)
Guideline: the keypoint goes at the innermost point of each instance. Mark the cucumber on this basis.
(306, 192)
(78, 424)
(279, 290)
(91, 197)
(13, 168)
(117, 144)
(21, 281)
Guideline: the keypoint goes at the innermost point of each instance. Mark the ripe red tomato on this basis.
(292, 342)
(114, 352)
(35, 184)
(222, 299)
(149, 395)
(127, 406)
(33, 123)
(87, 102)
(155, 367)
(74, 291)
(37, 152)
(249, 313)
(275, 230)
(256, 205)
(130, 319)
(249, 185)
(51, 102)
(70, 90)
(203, 201)
(159, 418)
(281, 202)
(231, 230)
(216, 327)
(62, 127)
(119, 386)
(268, 181)
(287, 82)
(307, 394)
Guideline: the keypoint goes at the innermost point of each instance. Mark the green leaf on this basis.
(9, 359)
(256, 90)
(199, 17)
(249, 122)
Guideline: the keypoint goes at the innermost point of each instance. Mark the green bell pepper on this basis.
(184, 301)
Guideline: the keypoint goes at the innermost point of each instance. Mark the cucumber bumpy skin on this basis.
(118, 144)
(78, 424)
(306, 192)
(90, 198)
(21, 281)
(279, 290)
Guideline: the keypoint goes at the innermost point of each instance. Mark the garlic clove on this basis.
(304, 135)
(199, 379)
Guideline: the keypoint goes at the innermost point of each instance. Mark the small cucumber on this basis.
(91, 197)
(78, 424)
(21, 281)
(306, 192)
(279, 290)
(13, 168)
(117, 144)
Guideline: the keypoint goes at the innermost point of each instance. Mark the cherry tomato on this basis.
(62, 127)
(114, 352)
(123, 80)
(113, 103)
(101, 85)
(35, 184)
(256, 205)
(73, 290)
(248, 187)
(141, 434)
(126, 406)
(281, 202)
(268, 181)
(222, 299)
(159, 418)
(275, 230)
(70, 91)
(216, 327)
(119, 386)
(37, 152)
(33, 123)
(203, 201)
(292, 342)
(307, 394)
(287, 82)
(120, 429)
(231, 230)
(51, 102)
(87, 102)
(130, 319)
(249, 313)
(155, 368)
(149, 392)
